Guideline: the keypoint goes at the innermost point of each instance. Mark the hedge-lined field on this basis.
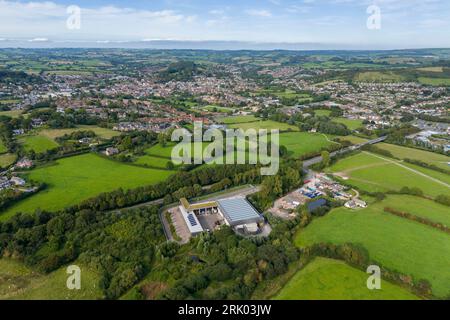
(328, 279)
(397, 243)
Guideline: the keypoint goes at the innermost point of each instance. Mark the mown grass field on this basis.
(237, 119)
(3, 148)
(421, 208)
(373, 173)
(434, 81)
(37, 143)
(400, 152)
(103, 133)
(17, 282)
(7, 159)
(322, 112)
(352, 124)
(268, 124)
(378, 76)
(72, 180)
(44, 139)
(397, 243)
(11, 114)
(301, 143)
(328, 279)
(150, 161)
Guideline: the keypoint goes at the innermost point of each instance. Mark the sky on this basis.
(325, 23)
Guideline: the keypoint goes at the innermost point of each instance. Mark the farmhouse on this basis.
(237, 213)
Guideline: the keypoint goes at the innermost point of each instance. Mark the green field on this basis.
(378, 76)
(72, 180)
(37, 143)
(322, 112)
(352, 124)
(397, 243)
(237, 119)
(432, 158)
(327, 279)
(434, 81)
(3, 148)
(12, 113)
(44, 139)
(268, 124)
(301, 143)
(19, 282)
(150, 161)
(218, 108)
(7, 159)
(103, 133)
(420, 207)
(374, 173)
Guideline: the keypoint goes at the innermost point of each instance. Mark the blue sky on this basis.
(404, 23)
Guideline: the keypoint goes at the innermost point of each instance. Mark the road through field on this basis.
(410, 169)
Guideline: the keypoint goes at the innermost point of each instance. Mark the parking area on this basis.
(180, 226)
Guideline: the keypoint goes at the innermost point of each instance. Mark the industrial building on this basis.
(237, 213)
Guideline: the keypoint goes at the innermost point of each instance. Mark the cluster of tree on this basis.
(179, 71)
(134, 141)
(234, 267)
(6, 134)
(375, 149)
(289, 177)
(17, 77)
(120, 246)
(76, 135)
(443, 199)
(325, 125)
(431, 118)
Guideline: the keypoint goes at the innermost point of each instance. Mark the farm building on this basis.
(237, 213)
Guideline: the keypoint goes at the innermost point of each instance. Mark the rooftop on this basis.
(238, 211)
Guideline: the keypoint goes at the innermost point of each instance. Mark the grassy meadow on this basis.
(18, 282)
(301, 143)
(373, 173)
(328, 279)
(397, 243)
(72, 180)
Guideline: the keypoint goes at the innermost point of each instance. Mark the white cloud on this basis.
(259, 13)
(39, 19)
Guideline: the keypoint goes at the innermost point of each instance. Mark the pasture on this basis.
(7, 159)
(267, 124)
(44, 139)
(352, 124)
(374, 173)
(378, 76)
(397, 243)
(74, 179)
(37, 143)
(301, 143)
(21, 283)
(434, 81)
(237, 119)
(328, 279)
(432, 158)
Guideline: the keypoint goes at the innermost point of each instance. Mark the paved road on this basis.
(308, 163)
